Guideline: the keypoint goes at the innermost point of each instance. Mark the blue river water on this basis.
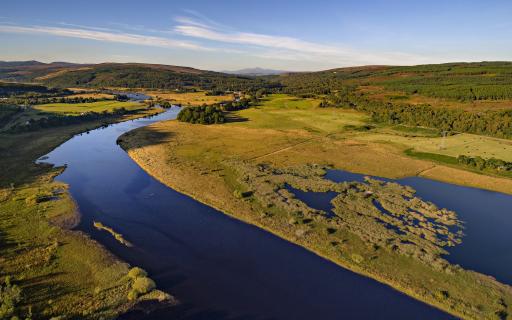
(217, 266)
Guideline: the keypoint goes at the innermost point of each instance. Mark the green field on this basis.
(285, 112)
(79, 108)
(455, 145)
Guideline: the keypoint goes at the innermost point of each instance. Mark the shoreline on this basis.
(69, 225)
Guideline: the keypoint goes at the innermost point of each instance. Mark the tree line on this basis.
(481, 163)
(496, 123)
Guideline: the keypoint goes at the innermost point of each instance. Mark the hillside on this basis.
(462, 82)
(28, 71)
(128, 75)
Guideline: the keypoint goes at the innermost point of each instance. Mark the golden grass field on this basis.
(188, 99)
(95, 95)
(205, 161)
(459, 144)
(98, 106)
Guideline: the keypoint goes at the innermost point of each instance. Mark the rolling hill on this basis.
(128, 75)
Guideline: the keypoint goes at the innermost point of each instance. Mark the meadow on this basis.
(98, 106)
(284, 112)
(454, 145)
(243, 166)
(197, 98)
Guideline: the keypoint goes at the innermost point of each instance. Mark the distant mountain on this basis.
(11, 64)
(256, 72)
(32, 70)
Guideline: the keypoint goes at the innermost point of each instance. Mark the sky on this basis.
(277, 34)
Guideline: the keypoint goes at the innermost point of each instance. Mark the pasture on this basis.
(284, 112)
(79, 108)
(459, 144)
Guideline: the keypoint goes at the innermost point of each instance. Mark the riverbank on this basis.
(60, 272)
(214, 164)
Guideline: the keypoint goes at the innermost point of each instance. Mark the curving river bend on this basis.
(218, 267)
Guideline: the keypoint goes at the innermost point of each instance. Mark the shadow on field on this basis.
(235, 118)
(44, 288)
(142, 137)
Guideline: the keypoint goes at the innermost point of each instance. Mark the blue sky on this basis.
(228, 35)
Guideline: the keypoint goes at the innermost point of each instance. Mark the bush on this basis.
(238, 194)
(143, 285)
(133, 295)
(356, 258)
(137, 272)
(10, 296)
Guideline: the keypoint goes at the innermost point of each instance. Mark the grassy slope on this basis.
(78, 108)
(61, 272)
(202, 167)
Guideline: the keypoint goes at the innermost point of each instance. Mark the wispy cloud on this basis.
(198, 30)
(198, 33)
(98, 34)
(289, 48)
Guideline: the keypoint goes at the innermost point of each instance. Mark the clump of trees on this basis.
(140, 283)
(202, 115)
(481, 164)
(237, 105)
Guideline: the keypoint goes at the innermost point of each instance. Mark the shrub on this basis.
(143, 285)
(356, 258)
(137, 272)
(238, 194)
(241, 194)
(10, 296)
(133, 295)
(441, 295)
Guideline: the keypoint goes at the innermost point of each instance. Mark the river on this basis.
(217, 266)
